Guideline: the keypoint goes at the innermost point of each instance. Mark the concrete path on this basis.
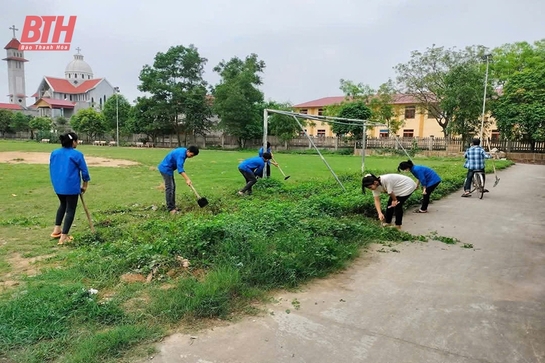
(431, 302)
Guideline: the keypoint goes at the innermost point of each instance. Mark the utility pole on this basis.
(116, 89)
(487, 57)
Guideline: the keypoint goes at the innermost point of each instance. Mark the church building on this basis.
(55, 96)
(77, 90)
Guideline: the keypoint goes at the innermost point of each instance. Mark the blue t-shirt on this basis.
(260, 153)
(174, 160)
(253, 165)
(426, 176)
(67, 167)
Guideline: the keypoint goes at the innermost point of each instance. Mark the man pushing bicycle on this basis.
(475, 157)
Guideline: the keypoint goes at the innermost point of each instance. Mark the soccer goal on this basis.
(331, 120)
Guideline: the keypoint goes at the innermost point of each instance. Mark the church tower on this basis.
(16, 71)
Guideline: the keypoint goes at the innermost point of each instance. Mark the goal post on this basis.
(329, 119)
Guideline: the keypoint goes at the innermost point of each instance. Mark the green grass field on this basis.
(238, 248)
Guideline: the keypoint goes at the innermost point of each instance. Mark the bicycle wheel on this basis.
(478, 184)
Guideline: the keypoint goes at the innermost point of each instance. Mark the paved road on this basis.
(431, 302)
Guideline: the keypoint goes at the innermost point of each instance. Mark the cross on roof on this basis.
(14, 29)
(78, 49)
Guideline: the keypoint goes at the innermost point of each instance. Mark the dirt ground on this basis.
(18, 157)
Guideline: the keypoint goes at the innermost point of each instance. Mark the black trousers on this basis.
(397, 210)
(426, 197)
(66, 211)
(469, 178)
(250, 181)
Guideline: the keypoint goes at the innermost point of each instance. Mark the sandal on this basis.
(420, 211)
(54, 235)
(466, 195)
(69, 239)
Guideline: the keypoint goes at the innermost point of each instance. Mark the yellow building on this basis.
(417, 122)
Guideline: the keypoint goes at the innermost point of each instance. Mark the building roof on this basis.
(78, 65)
(62, 85)
(16, 59)
(321, 102)
(13, 44)
(399, 99)
(10, 106)
(52, 103)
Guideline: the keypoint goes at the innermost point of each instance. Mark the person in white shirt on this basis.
(398, 187)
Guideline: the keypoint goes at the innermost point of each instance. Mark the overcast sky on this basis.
(307, 45)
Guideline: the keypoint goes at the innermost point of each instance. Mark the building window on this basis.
(408, 133)
(320, 112)
(88, 77)
(495, 136)
(410, 112)
(70, 97)
(83, 76)
(383, 133)
(321, 133)
(69, 75)
(75, 75)
(304, 111)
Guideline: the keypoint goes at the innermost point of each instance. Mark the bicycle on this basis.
(477, 183)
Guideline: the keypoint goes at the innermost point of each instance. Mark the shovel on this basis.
(494, 166)
(279, 168)
(285, 177)
(87, 213)
(495, 174)
(202, 202)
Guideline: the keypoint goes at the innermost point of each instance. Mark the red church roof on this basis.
(62, 85)
(10, 106)
(13, 44)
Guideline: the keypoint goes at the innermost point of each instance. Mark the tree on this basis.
(520, 110)
(383, 108)
(20, 122)
(424, 78)
(197, 121)
(61, 124)
(90, 122)
(41, 124)
(463, 99)
(509, 59)
(354, 110)
(237, 100)
(116, 106)
(6, 118)
(147, 118)
(174, 81)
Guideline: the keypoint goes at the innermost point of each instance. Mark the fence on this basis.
(450, 145)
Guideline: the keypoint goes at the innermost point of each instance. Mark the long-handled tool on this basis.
(493, 166)
(279, 168)
(285, 177)
(202, 202)
(87, 213)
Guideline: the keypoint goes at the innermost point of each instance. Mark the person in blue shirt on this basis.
(427, 177)
(268, 165)
(67, 168)
(475, 157)
(175, 160)
(250, 169)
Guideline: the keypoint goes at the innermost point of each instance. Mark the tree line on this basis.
(447, 83)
